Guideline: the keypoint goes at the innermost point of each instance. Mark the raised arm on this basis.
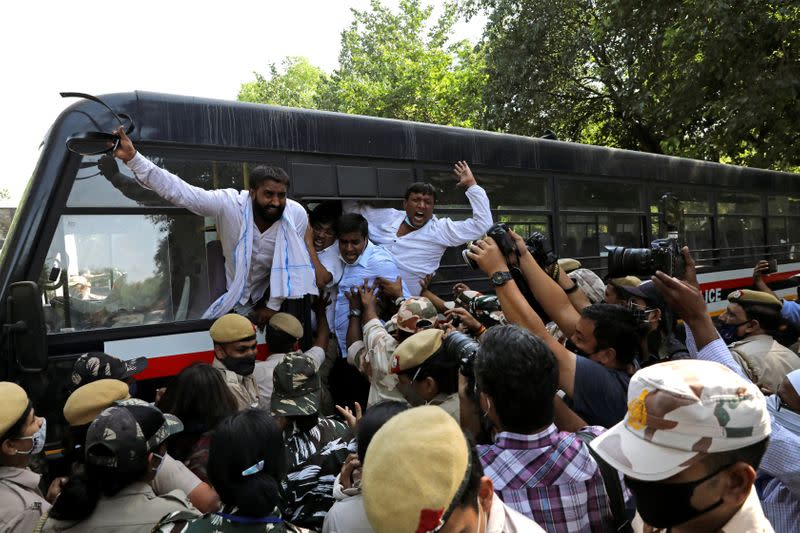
(517, 310)
(321, 274)
(169, 186)
(759, 282)
(456, 233)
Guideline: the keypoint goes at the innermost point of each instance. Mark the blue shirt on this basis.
(791, 312)
(374, 262)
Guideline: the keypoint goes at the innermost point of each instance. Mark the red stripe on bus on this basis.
(170, 365)
(746, 282)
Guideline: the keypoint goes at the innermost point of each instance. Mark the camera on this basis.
(498, 232)
(537, 246)
(664, 255)
(464, 348)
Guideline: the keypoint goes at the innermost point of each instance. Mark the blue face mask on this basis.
(37, 440)
(729, 332)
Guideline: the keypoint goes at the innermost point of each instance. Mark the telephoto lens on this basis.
(464, 347)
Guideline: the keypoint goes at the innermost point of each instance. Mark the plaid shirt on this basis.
(549, 477)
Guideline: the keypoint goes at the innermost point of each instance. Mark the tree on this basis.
(714, 79)
(296, 84)
(402, 65)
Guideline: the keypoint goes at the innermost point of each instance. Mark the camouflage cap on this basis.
(86, 403)
(391, 325)
(123, 435)
(297, 386)
(590, 283)
(286, 323)
(232, 328)
(412, 311)
(99, 365)
(679, 411)
(746, 296)
(487, 310)
(416, 349)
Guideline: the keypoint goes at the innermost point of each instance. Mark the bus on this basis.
(95, 262)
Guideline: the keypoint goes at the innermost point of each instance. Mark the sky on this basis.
(193, 48)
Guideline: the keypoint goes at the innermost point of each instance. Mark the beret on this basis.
(568, 264)
(416, 349)
(87, 402)
(627, 281)
(232, 328)
(13, 405)
(286, 323)
(746, 296)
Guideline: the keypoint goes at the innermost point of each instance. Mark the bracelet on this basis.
(572, 289)
(481, 331)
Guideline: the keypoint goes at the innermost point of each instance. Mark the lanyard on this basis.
(249, 520)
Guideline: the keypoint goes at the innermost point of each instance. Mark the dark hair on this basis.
(749, 454)
(769, 317)
(421, 188)
(305, 423)
(469, 498)
(239, 442)
(263, 173)
(442, 367)
(352, 222)
(80, 494)
(199, 397)
(279, 341)
(325, 213)
(520, 373)
(375, 417)
(614, 327)
(15, 431)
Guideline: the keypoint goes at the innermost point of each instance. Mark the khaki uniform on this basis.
(135, 509)
(749, 518)
(21, 503)
(373, 357)
(174, 475)
(243, 388)
(765, 361)
(450, 403)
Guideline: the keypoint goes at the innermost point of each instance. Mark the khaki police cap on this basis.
(286, 323)
(746, 296)
(13, 404)
(232, 328)
(87, 402)
(416, 468)
(416, 349)
(567, 264)
(627, 281)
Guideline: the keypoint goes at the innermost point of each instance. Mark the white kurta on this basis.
(224, 205)
(419, 253)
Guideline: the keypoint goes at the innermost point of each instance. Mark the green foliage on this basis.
(713, 80)
(296, 84)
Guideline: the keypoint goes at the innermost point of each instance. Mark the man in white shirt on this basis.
(415, 237)
(248, 235)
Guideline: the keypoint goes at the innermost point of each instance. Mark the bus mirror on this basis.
(25, 329)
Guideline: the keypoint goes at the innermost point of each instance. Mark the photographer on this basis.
(606, 334)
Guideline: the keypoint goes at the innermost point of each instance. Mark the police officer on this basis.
(23, 434)
(235, 346)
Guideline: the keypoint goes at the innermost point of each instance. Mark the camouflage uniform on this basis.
(679, 411)
(314, 457)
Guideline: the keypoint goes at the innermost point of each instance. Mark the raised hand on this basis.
(125, 149)
(465, 177)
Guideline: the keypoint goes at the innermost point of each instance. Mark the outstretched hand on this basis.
(465, 177)
(352, 419)
(125, 149)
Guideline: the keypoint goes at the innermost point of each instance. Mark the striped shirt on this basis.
(549, 477)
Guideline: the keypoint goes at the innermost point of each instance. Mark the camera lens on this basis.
(462, 347)
(629, 262)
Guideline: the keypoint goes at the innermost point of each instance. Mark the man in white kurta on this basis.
(272, 219)
(415, 237)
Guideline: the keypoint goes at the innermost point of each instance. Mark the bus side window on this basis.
(109, 271)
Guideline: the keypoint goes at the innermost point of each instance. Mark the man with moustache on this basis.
(261, 231)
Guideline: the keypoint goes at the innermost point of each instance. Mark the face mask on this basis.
(37, 440)
(243, 366)
(408, 221)
(728, 332)
(666, 505)
(410, 393)
(572, 347)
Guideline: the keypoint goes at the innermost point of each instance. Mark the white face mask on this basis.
(37, 440)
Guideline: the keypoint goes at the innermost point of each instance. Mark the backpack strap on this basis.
(612, 484)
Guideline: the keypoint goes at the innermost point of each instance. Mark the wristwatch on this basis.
(354, 313)
(500, 278)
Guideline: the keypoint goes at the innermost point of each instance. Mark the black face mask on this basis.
(243, 366)
(572, 347)
(666, 505)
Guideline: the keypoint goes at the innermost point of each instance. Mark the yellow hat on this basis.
(286, 323)
(416, 469)
(746, 296)
(13, 404)
(232, 328)
(627, 281)
(568, 264)
(416, 349)
(87, 402)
